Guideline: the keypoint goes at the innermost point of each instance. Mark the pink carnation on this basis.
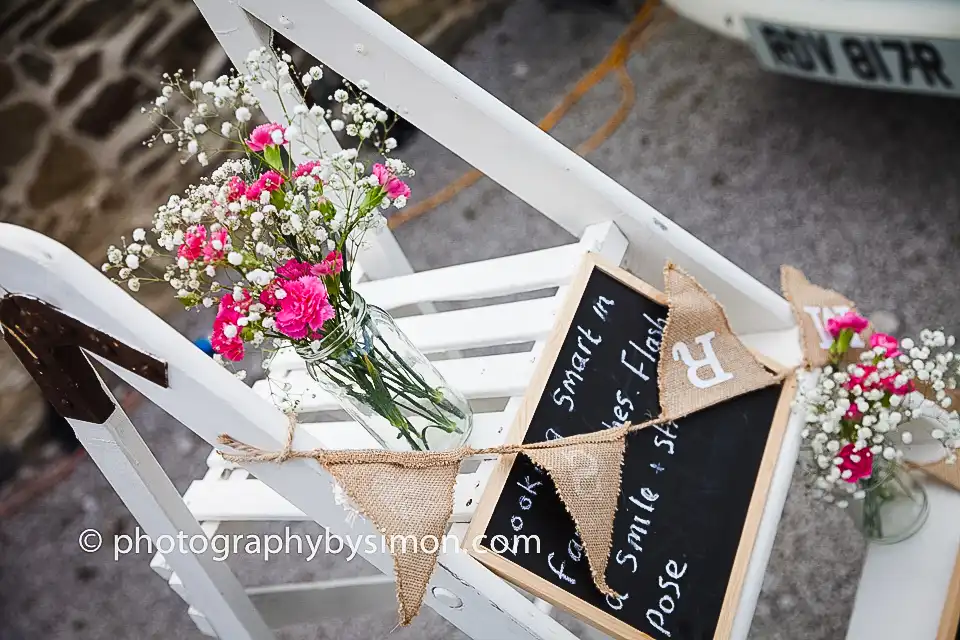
(861, 380)
(858, 463)
(262, 136)
(293, 269)
(269, 294)
(229, 348)
(193, 239)
(393, 185)
(890, 384)
(211, 253)
(849, 320)
(253, 191)
(235, 188)
(304, 309)
(887, 342)
(331, 265)
(229, 312)
(306, 168)
(269, 181)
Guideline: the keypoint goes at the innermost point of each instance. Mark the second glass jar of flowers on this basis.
(863, 409)
(269, 242)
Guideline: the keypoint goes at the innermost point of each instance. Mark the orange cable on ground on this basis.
(635, 36)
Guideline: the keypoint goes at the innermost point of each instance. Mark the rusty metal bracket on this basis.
(49, 343)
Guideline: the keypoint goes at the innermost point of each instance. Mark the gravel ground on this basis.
(853, 187)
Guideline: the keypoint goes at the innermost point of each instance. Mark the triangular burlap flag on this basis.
(410, 506)
(946, 473)
(587, 476)
(812, 307)
(702, 362)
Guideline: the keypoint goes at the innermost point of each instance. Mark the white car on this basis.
(903, 45)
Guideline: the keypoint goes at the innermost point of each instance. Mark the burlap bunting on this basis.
(946, 473)
(587, 477)
(410, 507)
(812, 307)
(701, 362)
(410, 494)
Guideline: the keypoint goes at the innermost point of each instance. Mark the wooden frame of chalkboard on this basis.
(950, 619)
(774, 401)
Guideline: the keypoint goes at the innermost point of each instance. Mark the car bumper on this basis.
(918, 18)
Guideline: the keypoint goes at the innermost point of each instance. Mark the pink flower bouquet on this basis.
(268, 240)
(860, 414)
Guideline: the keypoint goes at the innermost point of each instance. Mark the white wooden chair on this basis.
(604, 216)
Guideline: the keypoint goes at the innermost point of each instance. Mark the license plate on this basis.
(883, 62)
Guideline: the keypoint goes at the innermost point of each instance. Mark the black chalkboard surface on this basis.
(692, 491)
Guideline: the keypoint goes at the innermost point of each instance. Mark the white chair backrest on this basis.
(457, 113)
(210, 401)
(470, 122)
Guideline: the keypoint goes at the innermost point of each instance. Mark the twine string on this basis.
(244, 453)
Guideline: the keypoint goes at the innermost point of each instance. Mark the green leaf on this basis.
(190, 300)
(271, 156)
(328, 210)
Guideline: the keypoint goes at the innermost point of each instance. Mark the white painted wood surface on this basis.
(205, 397)
(148, 493)
(312, 602)
(208, 400)
(476, 126)
(903, 586)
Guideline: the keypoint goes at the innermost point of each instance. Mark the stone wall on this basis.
(73, 75)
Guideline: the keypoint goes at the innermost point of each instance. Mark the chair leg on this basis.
(148, 493)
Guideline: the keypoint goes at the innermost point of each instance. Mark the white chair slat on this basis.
(468, 490)
(783, 346)
(489, 429)
(282, 605)
(496, 376)
(484, 279)
(253, 501)
(488, 326)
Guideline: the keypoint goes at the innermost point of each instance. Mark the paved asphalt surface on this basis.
(856, 188)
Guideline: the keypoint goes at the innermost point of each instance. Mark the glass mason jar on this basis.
(894, 506)
(386, 384)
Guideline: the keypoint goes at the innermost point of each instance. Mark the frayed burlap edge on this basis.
(749, 374)
(813, 354)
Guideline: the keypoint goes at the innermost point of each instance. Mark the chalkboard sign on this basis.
(950, 618)
(692, 493)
